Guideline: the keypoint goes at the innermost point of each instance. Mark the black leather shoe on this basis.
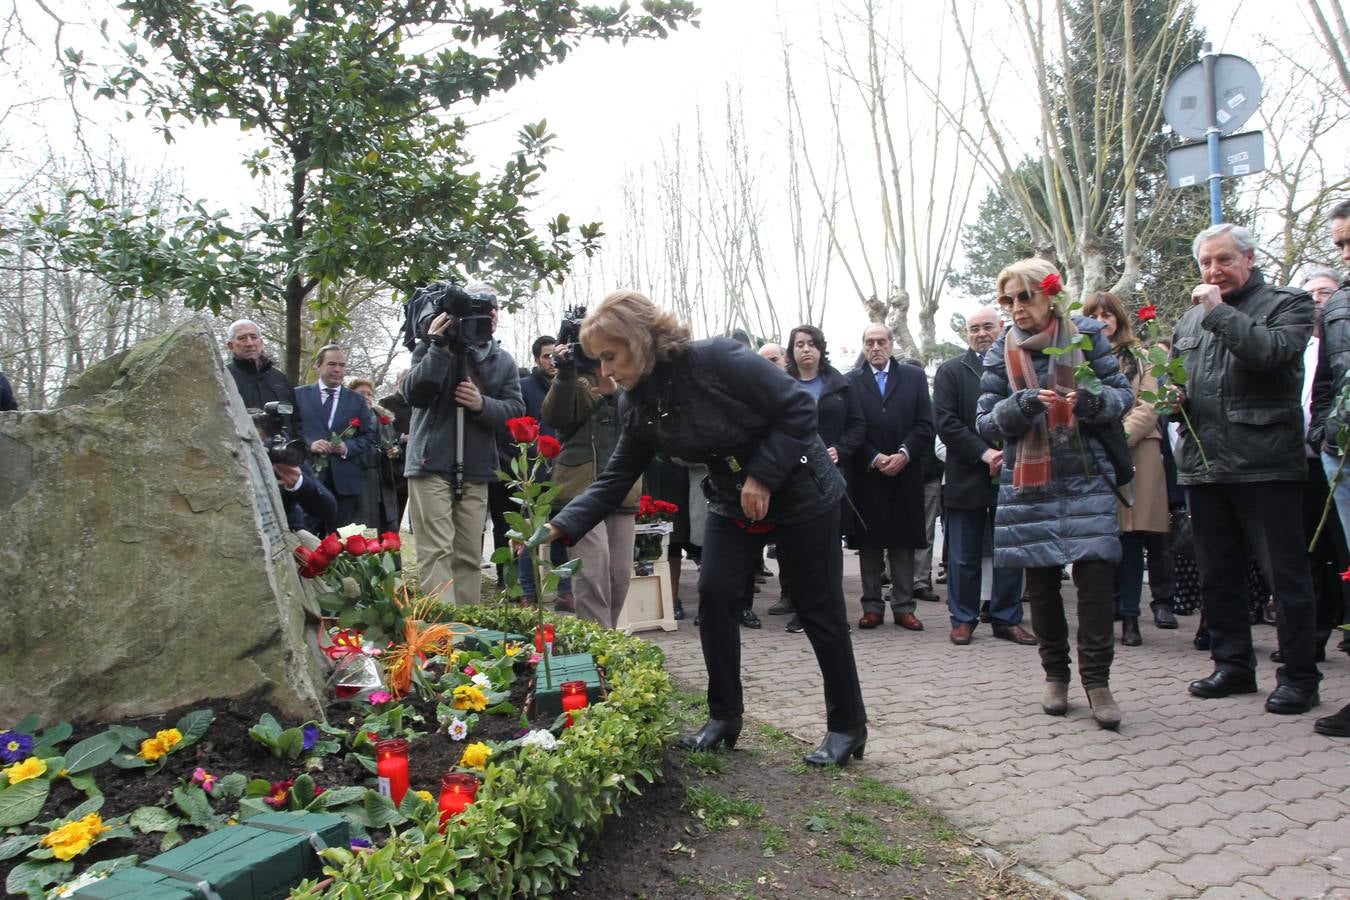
(838, 746)
(1319, 655)
(1223, 683)
(750, 620)
(926, 594)
(1201, 639)
(1288, 700)
(1337, 725)
(1163, 616)
(679, 611)
(781, 608)
(794, 626)
(714, 732)
(1129, 631)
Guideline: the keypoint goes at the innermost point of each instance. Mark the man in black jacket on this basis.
(1243, 467)
(255, 375)
(971, 494)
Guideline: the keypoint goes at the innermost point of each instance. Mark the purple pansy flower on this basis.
(15, 746)
(361, 844)
(311, 735)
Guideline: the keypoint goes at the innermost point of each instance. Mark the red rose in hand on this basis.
(548, 446)
(523, 430)
(355, 422)
(385, 420)
(1051, 284)
(356, 545)
(390, 541)
(665, 507)
(1148, 313)
(331, 546)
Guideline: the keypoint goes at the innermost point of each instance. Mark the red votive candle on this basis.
(458, 790)
(544, 635)
(391, 765)
(573, 697)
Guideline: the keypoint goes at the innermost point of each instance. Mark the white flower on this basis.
(480, 679)
(70, 887)
(347, 531)
(459, 730)
(540, 738)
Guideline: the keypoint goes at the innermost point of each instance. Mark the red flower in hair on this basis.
(523, 429)
(1147, 313)
(1051, 285)
(548, 446)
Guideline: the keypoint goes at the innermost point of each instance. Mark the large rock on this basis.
(147, 563)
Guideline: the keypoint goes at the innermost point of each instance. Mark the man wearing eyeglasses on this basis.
(1243, 466)
(887, 481)
(971, 493)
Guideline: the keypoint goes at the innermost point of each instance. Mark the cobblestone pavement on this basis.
(1191, 798)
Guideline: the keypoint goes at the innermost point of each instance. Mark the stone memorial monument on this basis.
(147, 562)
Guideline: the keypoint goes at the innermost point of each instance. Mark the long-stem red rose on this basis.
(331, 546)
(390, 541)
(523, 430)
(548, 446)
(1147, 313)
(356, 545)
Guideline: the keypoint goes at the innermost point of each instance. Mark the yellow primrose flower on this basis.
(512, 648)
(425, 795)
(470, 697)
(475, 756)
(159, 746)
(31, 767)
(73, 838)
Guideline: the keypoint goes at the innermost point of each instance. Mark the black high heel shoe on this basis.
(714, 732)
(838, 746)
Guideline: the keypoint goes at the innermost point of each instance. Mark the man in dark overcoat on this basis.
(971, 493)
(887, 477)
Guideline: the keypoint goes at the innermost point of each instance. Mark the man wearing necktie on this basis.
(327, 409)
(887, 477)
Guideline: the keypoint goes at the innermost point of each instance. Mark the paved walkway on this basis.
(1191, 798)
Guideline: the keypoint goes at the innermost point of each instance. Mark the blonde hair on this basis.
(1028, 273)
(650, 334)
(354, 383)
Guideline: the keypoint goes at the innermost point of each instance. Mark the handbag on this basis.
(1111, 435)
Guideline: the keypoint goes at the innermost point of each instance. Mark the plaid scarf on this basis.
(1032, 469)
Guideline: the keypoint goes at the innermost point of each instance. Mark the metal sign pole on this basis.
(1212, 135)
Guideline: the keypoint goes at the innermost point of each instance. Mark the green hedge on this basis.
(522, 836)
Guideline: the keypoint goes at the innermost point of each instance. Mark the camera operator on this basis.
(309, 505)
(585, 411)
(457, 366)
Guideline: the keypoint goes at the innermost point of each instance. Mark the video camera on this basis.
(470, 316)
(568, 333)
(273, 422)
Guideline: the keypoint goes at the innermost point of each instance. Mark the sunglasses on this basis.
(1006, 300)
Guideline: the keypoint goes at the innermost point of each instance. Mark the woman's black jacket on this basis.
(721, 405)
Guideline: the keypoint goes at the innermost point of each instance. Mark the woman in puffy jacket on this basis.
(1056, 498)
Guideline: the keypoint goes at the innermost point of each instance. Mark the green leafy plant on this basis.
(1167, 400)
(292, 743)
(153, 752)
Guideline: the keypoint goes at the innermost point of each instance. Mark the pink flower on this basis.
(204, 778)
(470, 670)
(379, 697)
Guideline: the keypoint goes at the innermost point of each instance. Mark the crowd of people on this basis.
(1054, 447)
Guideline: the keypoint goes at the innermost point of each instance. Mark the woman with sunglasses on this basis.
(1056, 499)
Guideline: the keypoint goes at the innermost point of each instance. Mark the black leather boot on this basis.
(838, 746)
(1163, 616)
(1129, 631)
(714, 732)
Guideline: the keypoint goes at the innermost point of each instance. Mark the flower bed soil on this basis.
(227, 747)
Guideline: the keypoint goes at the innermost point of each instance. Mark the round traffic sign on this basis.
(1237, 90)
